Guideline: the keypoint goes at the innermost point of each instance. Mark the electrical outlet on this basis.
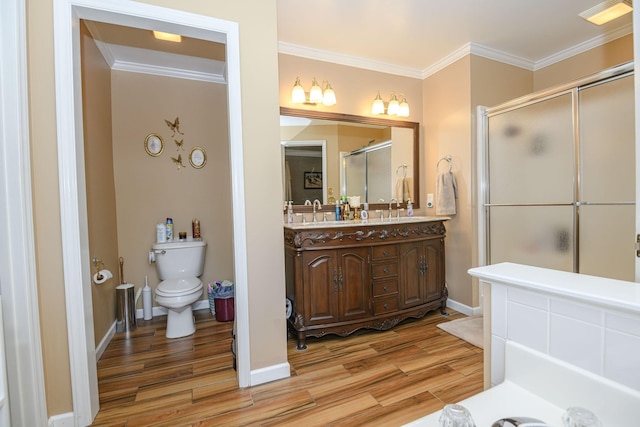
(430, 200)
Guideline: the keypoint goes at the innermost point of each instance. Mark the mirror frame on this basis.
(378, 121)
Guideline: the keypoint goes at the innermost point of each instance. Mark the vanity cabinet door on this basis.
(434, 276)
(412, 277)
(353, 283)
(320, 287)
(421, 272)
(336, 285)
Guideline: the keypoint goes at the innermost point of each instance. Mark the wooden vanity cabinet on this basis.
(341, 279)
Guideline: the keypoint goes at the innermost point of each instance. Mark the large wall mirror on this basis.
(326, 155)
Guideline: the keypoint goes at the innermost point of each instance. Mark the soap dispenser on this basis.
(409, 208)
(290, 212)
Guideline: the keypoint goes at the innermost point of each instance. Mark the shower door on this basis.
(560, 173)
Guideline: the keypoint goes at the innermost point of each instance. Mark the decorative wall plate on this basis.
(198, 157)
(153, 144)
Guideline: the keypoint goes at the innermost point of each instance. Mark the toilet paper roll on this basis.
(102, 276)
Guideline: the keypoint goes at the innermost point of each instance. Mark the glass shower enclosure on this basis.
(559, 177)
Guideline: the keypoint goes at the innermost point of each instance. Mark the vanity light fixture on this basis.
(176, 38)
(395, 107)
(607, 11)
(317, 95)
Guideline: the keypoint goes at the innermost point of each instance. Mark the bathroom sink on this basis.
(369, 222)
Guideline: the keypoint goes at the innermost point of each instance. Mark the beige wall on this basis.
(150, 189)
(262, 177)
(599, 58)
(101, 194)
(355, 88)
(447, 131)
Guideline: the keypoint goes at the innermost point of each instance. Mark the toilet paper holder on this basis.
(99, 265)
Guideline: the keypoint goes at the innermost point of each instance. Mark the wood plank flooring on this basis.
(369, 378)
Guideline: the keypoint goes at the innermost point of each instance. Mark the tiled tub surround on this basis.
(590, 322)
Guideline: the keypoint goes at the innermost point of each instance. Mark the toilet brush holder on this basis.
(125, 308)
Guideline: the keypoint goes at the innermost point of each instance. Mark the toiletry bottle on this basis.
(195, 228)
(290, 212)
(147, 304)
(161, 233)
(337, 211)
(169, 229)
(409, 208)
(331, 199)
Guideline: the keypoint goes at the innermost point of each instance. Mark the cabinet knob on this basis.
(386, 270)
(386, 306)
(386, 289)
(385, 253)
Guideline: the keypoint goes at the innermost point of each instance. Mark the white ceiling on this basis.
(417, 37)
(414, 38)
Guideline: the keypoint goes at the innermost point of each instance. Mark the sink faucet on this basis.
(391, 208)
(307, 202)
(316, 202)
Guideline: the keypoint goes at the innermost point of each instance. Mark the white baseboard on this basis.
(462, 308)
(102, 345)
(62, 420)
(270, 373)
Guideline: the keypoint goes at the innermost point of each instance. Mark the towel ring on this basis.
(404, 170)
(446, 158)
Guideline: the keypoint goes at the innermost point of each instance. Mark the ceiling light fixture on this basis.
(176, 38)
(317, 95)
(395, 107)
(607, 11)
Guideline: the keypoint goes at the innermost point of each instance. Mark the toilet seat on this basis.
(178, 287)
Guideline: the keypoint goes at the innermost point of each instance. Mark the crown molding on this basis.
(180, 73)
(584, 46)
(467, 49)
(348, 60)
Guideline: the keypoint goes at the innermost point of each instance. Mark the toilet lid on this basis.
(179, 286)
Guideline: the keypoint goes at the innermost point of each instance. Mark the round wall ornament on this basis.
(153, 144)
(198, 157)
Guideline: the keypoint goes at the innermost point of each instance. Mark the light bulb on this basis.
(403, 111)
(297, 93)
(329, 97)
(394, 106)
(378, 105)
(315, 94)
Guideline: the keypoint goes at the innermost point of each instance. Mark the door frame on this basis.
(18, 277)
(76, 259)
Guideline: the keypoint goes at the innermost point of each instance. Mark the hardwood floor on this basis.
(369, 378)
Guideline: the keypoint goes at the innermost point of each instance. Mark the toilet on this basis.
(179, 264)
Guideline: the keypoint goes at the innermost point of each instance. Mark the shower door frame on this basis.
(482, 154)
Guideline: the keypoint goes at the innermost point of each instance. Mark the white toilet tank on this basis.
(180, 259)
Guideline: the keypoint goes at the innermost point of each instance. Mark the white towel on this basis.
(446, 194)
(403, 193)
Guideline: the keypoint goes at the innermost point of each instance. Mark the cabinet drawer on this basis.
(384, 270)
(388, 287)
(386, 251)
(385, 305)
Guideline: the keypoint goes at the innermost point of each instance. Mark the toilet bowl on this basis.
(179, 264)
(177, 296)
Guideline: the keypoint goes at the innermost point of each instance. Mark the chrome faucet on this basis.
(316, 202)
(391, 208)
(307, 202)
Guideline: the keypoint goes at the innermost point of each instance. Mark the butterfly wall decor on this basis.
(179, 144)
(178, 161)
(174, 126)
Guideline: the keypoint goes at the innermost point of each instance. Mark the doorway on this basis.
(76, 258)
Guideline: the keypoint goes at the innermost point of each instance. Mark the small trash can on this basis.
(221, 300)
(224, 308)
(125, 308)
